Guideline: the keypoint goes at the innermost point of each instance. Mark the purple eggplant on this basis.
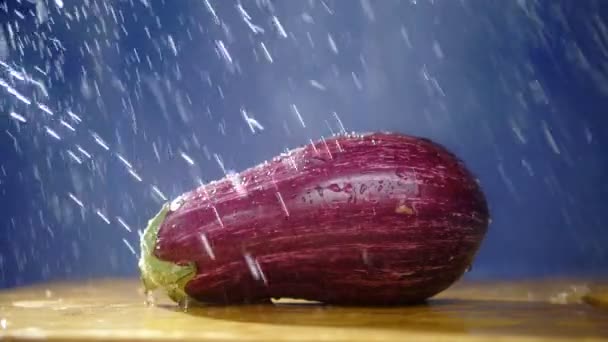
(373, 219)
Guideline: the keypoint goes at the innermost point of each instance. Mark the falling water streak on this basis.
(517, 131)
(172, 45)
(159, 193)
(261, 273)
(74, 117)
(220, 162)
(23, 76)
(15, 93)
(16, 74)
(37, 68)
(207, 246)
(74, 157)
(528, 167)
(252, 266)
(312, 143)
(52, 133)
(124, 161)
(217, 216)
(279, 26)
(283, 206)
(243, 12)
(332, 44)
(342, 130)
(83, 151)
(103, 217)
(40, 86)
(588, 135)
(123, 223)
(266, 52)
(357, 81)
(327, 148)
(331, 130)
(292, 162)
(187, 158)
(14, 142)
(17, 117)
(100, 141)
(223, 51)
(550, 139)
(368, 10)
(135, 175)
(253, 27)
(67, 125)
(339, 146)
(310, 40)
(129, 246)
(317, 85)
(290, 159)
(295, 110)
(507, 181)
(156, 154)
(216, 19)
(247, 19)
(329, 10)
(45, 109)
(76, 200)
(58, 43)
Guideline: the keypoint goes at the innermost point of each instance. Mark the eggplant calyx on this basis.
(156, 273)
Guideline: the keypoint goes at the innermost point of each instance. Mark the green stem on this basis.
(156, 273)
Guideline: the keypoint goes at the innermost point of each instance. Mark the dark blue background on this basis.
(496, 82)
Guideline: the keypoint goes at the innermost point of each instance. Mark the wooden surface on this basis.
(547, 310)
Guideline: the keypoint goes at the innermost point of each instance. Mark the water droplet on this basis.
(320, 191)
(150, 299)
(177, 203)
(362, 189)
(334, 187)
(365, 257)
(401, 173)
(184, 304)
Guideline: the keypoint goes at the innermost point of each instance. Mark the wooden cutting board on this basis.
(115, 309)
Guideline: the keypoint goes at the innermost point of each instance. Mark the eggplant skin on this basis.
(371, 219)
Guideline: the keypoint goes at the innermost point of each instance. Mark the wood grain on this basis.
(114, 309)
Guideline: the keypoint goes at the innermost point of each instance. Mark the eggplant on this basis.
(370, 219)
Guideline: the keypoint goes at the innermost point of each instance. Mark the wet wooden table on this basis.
(114, 309)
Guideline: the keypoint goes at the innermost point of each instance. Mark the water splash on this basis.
(251, 122)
